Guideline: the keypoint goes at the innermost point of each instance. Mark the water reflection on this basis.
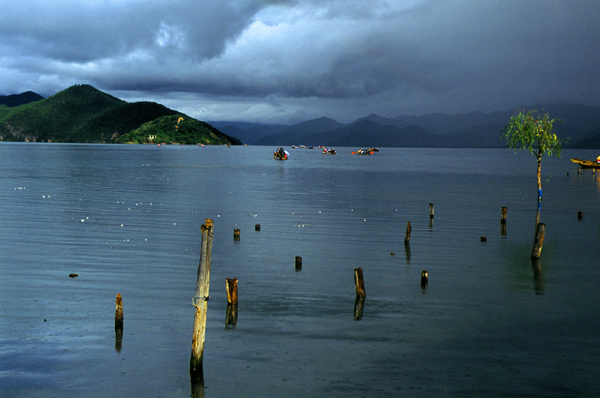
(118, 337)
(197, 381)
(538, 277)
(231, 317)
(503, 222)
(359, 305)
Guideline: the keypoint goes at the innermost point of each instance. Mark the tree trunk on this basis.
(539, 175)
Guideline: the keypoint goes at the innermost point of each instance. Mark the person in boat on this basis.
(280, 154)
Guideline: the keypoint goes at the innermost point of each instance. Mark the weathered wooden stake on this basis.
(236, 234)
(538, 277)
(407, 234)
(431, 210)
(539, 241)
(119, 312)
(503, 219)
(200, 300)
(298, 263)
(579, 215)
(424, 278)
(119, 323)
(231, 286)
(257, 227)
(359, 282)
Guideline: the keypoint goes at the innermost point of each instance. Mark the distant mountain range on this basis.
(19, 99)
(580, 124)
(84, 114)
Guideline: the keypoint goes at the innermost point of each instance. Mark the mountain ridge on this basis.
(579, 125)
(84, 114)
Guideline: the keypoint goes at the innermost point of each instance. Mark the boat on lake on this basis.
(587, 164)
(369, 151)
(329, 151)
(280, 154)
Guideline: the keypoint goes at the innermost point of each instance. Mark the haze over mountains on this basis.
(580, 123)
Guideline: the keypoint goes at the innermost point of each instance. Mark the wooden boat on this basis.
(586, 164)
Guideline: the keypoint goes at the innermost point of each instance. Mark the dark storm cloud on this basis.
(287, 60)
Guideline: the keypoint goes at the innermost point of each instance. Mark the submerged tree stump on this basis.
(424, 278)
(298, 263)
(539, 241)
(407, 234)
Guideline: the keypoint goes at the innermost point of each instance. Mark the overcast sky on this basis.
(288, 61)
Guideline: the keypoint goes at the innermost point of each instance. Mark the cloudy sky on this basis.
(286, 61)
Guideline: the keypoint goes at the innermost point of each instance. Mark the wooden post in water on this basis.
(200, 300)
(539, 241)
(431, 210)
(424, 278)
(119, 323)
(232, 290)
(119, 312)
(503, 219)
(236, 234)
(407, 234)
(359, 303)
(359, 282)
(298, 263)
(257, 227)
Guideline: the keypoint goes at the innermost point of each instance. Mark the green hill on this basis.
(84, 114)
(178, 129)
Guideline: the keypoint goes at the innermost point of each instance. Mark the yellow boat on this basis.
(586, 164)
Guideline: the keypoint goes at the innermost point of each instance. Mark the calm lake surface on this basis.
(127, 220)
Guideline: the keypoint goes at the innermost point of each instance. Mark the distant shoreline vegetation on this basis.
(84, 114)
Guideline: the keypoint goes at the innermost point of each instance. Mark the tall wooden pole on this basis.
(118, 323)
(200, 300)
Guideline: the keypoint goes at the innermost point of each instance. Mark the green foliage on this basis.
(175, 129)
(533, 132)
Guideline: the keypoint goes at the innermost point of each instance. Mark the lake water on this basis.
(127, 220)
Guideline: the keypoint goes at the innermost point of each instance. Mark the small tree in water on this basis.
(533, 131)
